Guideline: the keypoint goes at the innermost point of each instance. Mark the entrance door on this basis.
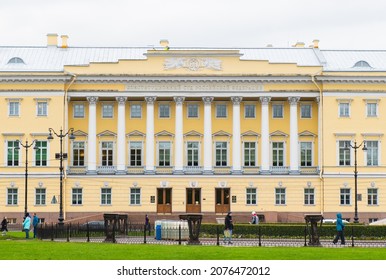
(223, 200)
(164, 200)
(193, 200)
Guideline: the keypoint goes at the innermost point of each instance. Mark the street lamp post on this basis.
(356, 147)
(26, 146)
(60, 156)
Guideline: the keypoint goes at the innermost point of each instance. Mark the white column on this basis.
(264, 169)
(208, 169)
(179, 144)
(236, 140)
(121, 135)
(149, 169)
(91, 149)
(320, 125)
(294, 136)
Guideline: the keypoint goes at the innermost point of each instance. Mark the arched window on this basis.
(17, 60)
(362, 64)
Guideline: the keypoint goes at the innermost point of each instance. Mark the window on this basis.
(135, 153)
(135, 196)
(42, 109)
(344, 109)
(372, 109)
(107, 153)
(277, 154)
(277, 111)
(164, 111)
(305, 154)
(41, 153)
(305, 111)
(362, 63)
(40, 196)
(345, 196)
(251, 196)
(78, 110)
(344, 153)
(249, 153)
(77, 196)
(12, 196)
(280, 196)
(107, 111)
(106, 196)
(221, 110)
(192, 153)
(309, 196)
(12, 153)
(16, 60)
(164, 154)
(135, 111)
(372, 196)
(78, 153)
(14, 108)
(372, 153)
(192, 110)
(249, 111)
(221, 154)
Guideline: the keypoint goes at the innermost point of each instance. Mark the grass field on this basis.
(15, 247)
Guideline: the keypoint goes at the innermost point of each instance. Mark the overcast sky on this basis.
(338, 24)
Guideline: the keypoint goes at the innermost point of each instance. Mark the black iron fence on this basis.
(268, 235)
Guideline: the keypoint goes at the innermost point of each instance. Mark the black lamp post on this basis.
(356, 147)
(60, 156)
(26, 146)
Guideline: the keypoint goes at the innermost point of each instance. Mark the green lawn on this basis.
(20, 249)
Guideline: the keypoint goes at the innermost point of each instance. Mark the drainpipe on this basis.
(320, 135)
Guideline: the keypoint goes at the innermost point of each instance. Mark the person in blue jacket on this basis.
(35, 223)
(339, 229)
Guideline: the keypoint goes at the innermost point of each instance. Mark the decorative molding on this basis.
(236, 100)
(136, 133)
(265, 100)
(121, 100)
(192, 63)
(293, 100)
(150, 99)
(193, 133)
(107, 133)
(179, 100)
(92, 100)
(207, 100)
(164, 133)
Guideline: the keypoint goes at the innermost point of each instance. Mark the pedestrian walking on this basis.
(228, 228)
(254, 218)
(339, 229)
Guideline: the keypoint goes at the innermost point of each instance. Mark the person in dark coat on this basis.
(147, 223)
(339, 229)
(4, 226)
(228, 228)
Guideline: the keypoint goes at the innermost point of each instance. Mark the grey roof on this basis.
(55, 58)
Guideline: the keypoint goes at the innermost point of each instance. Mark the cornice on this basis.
(352, 79)
(34, 79)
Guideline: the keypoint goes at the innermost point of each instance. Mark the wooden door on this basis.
(222, 200)
(193, 200)
(164, 200)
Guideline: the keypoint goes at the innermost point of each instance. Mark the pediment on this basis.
(135, 133)
(80, 133)
(106, 133)
(250, 133)
(278, 133)
(221, 133)
(307, 133)
(193, 133)
(164, 133)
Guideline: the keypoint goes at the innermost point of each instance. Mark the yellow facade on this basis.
(193, 130)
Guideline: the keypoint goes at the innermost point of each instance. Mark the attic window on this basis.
(362, 64)
(16, 60)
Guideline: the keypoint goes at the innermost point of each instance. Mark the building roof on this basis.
(51, 58)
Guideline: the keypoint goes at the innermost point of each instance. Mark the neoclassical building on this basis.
(166, 130)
